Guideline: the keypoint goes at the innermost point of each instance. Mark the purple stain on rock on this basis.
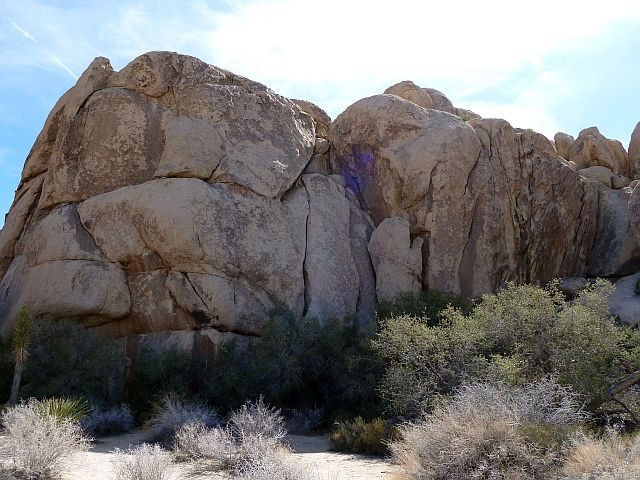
(365, 158)
(360, 161)
(351, 180)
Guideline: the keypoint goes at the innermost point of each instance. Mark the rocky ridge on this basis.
(178, 202)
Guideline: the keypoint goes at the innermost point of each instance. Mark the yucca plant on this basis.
(20, 351)
(60, 408)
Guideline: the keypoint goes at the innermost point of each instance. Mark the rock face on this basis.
(634, 151)
(563, 143)
(168, 197)
(396, 260)
(615, 250)
(624, 303)
(177, 203)
(484, 197)
(591, 148)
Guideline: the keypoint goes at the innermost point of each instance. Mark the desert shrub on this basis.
(108, 421)
(579, 341)
(170, 413)
(542, 402)
(38, 443)
(69, 360)
(217, 446)
(428, 305)
(518, 336)
(360, 436)
(270, 462)
(255, 419)
(300, 364)
(610, 457)
(489, 431)
(424, 361)
(253, 433)
(154, 374)
(144, 462)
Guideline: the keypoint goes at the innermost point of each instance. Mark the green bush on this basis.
(517, 336)
(423, 362)
(360, 436)
(299, 364)
(67, 360)
(153, 375)
(430, 305)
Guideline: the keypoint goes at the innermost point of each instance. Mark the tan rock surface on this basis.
(531, 217)
(396, 260)
(625, 301)
(484, 199)
(176, 197)
(634, 151)
(600, 174)
(404, 161)
(563, 143)
(424, 97)
(634, 212)
(615, 250)
(331, 277)
(235, 250)
(320, 117)
(193, 148)
(591, 148)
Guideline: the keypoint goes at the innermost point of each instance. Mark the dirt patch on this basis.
(311, 451)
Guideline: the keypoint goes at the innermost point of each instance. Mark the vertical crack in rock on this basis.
(475, 165)
(305, 275)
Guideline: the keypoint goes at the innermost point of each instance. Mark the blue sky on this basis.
(550, 66)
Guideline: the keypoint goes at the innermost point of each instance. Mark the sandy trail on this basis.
(311, 451)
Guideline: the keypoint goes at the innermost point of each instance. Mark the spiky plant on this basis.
(20, 351)
(71, 409)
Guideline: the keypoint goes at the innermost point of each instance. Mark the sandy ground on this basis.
(311, 451)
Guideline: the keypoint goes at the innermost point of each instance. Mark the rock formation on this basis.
(174, 196)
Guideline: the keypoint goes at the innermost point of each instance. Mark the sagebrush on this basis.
(108, 421)
(143, 462)
(171, 412)
(37, 443)
(489, 431)
(608, 457)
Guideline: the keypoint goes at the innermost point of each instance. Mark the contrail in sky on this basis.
(53, 57)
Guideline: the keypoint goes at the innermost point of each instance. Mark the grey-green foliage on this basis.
(299, 363)
(518, 335)
(422, 361)
(67, 360)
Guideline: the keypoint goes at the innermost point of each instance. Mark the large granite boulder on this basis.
(406, 161)
(491, 203)
(168, 197)
(591, 148)
(176, 203)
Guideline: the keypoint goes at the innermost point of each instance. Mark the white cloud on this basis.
(23, 31)
(338, 51)
(53, 57)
